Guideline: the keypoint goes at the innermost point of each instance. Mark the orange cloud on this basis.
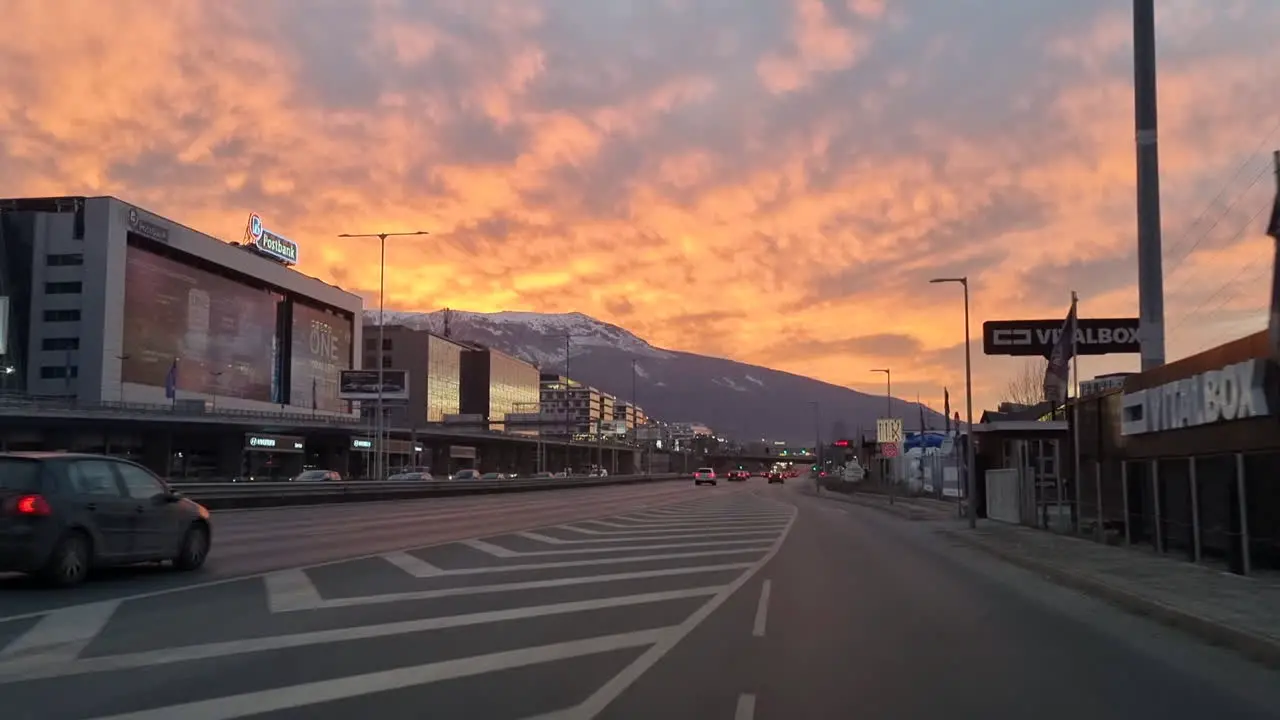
(774, 182)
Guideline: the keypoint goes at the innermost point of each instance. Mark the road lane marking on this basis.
(229, 648)
(656, 499)
(412, 564)
(59, 636)
(549, 540)
(598, 561)
(291, 590)
(607, 693)
(746, 709)
(774, 525)
(506, 552)
(314, 693)
(762, 609)
(418, 595)
(490, 548)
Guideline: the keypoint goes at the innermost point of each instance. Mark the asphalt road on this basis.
(746, 601)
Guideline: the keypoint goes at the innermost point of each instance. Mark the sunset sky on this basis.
(772, 181)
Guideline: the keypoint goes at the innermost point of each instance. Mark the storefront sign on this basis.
(145, 227)
(276, 247)
(273, 443)
(1104, 384)
(462, 452)
(1094, 336)
(1236, 392)
(361, 444)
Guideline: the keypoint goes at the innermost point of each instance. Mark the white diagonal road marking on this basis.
(313, 693)
(416, 595)
(505, 553)
(60, 635)
(229, 648)
(539, 537)
(291, 590)
(620, 530)
(413, 564)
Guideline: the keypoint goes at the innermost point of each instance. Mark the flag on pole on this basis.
(946, 409)
(171, 382)
(1273, 229)
(1057, 373)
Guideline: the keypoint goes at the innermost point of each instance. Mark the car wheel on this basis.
(69, 563)
(195, 548)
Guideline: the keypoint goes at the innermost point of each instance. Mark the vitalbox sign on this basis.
(1236, 392)
(1094, 336)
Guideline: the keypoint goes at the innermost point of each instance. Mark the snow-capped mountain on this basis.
(735, 399)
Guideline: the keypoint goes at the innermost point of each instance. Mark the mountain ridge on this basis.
(734, 398)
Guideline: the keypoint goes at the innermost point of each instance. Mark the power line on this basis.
(1225, 212)
(1247, 161)
(1238, 234)
(1230, 282)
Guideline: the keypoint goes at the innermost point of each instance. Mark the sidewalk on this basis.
(908, 508)
(1236, 612)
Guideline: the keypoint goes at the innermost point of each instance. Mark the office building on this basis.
(632, 415)
(105, 302)
(495, 384)
(434, 366)
(569, 407)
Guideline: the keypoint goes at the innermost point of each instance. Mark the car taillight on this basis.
(31, 505)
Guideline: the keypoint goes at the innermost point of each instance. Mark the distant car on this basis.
(737, 475)
(704, 475)
(598, 472)
(412, 473)
(775, 476)
(317, 475)
(467, 474)
(542, 476)
(62, 514)
(494, 476)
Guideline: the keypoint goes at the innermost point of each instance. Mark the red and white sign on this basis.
(889, 450)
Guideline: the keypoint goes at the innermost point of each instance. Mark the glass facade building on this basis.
(443, 379)
(495, 384)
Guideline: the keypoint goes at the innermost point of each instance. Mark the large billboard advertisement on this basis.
(221, 333)
(363, 385)
(320, 350)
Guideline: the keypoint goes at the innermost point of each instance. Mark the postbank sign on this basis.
(1235, 392)
(275, 246)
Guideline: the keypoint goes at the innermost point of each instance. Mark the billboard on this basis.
(363, 384)
(221, 333)
(319, 350)
(1028, 338)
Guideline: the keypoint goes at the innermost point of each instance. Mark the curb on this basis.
(1254, 647)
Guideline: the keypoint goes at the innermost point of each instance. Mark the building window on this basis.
(62, 288)
(64, 260)
(386, 361)
(61, 315)
(60, 344)
(386, 344)
(59, 372)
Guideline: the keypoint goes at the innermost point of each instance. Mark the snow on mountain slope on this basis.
(736, 399)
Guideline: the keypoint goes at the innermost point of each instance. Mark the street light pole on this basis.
(888, 413)
(971, 484)
(817, 439)
(634, 414)
(379, 443)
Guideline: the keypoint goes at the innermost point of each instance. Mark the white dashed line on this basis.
(762, 609)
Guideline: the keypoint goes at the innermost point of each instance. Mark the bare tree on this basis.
(1026, 387)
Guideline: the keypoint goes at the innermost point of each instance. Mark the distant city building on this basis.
(633, 416)
(434, 366)
(495, 384)
(570, 408)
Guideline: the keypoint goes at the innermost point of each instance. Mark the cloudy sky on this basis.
(768, 180)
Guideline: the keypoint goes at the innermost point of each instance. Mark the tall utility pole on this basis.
(888, 413)
(379, 447)
(634, 415)
(568, 425)
(1150, 254)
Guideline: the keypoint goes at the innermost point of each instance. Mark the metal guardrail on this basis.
(277, 494)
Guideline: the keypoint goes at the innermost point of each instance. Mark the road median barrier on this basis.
(227, 495)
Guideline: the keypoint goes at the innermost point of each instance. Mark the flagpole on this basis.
(1075, 411)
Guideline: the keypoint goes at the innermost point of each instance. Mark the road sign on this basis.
(889, 449)
(889, 430)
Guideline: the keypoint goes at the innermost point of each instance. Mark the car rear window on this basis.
(19, 475)
(705, 470)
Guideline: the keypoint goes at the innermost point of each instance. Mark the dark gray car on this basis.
(62, 514)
